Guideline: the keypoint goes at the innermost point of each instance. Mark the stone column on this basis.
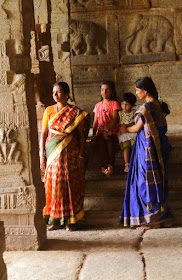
(21, 190)
(3, 272)
(60, 41)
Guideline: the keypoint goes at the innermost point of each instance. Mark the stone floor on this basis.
(102, 254)
(103, 250)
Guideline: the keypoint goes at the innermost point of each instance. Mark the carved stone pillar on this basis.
(60, 40)
(3, 272)
(21, 190)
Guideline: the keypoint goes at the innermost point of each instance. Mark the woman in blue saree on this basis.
(146, 189)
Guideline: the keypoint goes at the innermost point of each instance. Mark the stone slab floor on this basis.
(102, 254)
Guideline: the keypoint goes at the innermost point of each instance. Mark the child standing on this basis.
(105, 125)
(126, 115)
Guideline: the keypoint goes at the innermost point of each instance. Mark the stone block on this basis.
(113, 266)
(94, 40)
(146, 37)
(86, 85)
(167, 79)
(126, 77)
(178, 28)
(66, 265)
(3, 270)
(163, 253)
(102, 5)
(166, 3)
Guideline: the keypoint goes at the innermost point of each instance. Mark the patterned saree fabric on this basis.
(63, 180)
(146, 189)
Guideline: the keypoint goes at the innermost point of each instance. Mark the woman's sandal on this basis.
(126, 167)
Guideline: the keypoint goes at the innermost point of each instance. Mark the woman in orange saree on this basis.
(62, 158)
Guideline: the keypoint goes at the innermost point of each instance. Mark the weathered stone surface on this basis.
(126, 77)
(113, 266)
(100, 5)
(3, 272)
(163, 253)
(178, 28)
(140, 38)
(166, 3)
(168, 82)
(58, 265)
(94, 240)
(94, 40)
(60, 41)
(86, 85)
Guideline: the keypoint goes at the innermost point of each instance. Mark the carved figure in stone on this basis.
(150, 34)
(8, 146)
(40, 8)
(87, 38)
(24, 198)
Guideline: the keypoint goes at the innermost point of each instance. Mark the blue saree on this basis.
(146, 188)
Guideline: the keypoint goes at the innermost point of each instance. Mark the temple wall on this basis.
(122, 41)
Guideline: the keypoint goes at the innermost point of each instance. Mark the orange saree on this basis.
(63, 180)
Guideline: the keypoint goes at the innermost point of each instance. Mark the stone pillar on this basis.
(60, 41)
(3, 272)
(21, 190)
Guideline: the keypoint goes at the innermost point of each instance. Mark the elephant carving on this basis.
(87, 38)
(150, 34)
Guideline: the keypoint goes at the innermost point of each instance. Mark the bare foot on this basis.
(71, 228)
(53, 227)
(126, 167)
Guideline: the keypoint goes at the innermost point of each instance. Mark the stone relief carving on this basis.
(22, 198)
(150, 34)
(44, 53)
(9, 152)
(87, 38)
(20, 230)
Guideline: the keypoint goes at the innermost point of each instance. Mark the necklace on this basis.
(128, 116)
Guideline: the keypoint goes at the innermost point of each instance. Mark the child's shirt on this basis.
(128, 120)
(104, 113)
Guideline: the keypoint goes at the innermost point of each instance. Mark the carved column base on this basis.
(3, 271)
(25, 228)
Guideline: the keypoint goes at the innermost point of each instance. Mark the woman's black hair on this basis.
(111, 85)
(129, 97)
(146, 83)
(64, 86)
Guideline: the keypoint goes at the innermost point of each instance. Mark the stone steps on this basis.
(104, 196)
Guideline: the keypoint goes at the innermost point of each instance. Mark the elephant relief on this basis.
(150, 34)
(87, 38)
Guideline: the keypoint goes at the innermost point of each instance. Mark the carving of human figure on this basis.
(3, 145)
(13, 155)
